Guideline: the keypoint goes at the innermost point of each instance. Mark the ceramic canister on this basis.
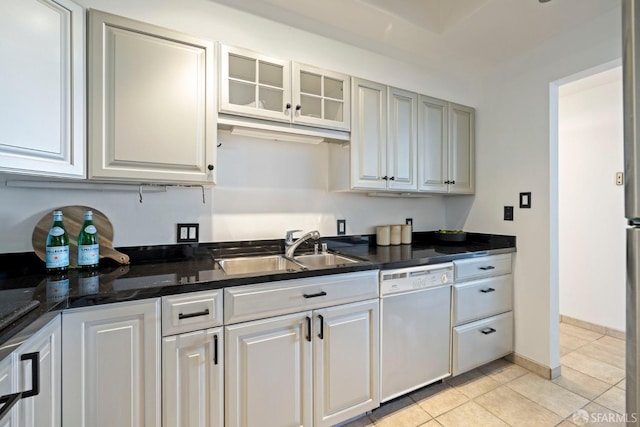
(383, 235)
(396, 234)
(406, 234)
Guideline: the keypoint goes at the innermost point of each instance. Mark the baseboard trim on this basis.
(535, 367)
(604, 330)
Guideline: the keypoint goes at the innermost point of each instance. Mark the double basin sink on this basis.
(279, 263)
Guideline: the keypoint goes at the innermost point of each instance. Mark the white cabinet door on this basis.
(151, 103)
(433, 144)
(368, 135)
(112, 365)
(192, 379)
(346, 359)
(268, 372)
(43, 66)
(44, 408)
(254, 85)
(402, 140)
(321, 98)
(6, 388)
(461, 149)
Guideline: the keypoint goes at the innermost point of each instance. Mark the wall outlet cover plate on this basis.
(188, 233)
(508, 213)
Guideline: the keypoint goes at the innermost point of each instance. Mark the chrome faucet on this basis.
(291, 246)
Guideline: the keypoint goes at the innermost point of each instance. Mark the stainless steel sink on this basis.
(258, 264)
(323, 260)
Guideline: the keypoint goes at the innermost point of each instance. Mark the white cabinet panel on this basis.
(432, 145)
(152, 106)
(368, 135)
(112, 355)
(402, 140)
(461, 149)
(44, 408)
(192, 379)
(346, 360)
(42, 117)
(268, 372)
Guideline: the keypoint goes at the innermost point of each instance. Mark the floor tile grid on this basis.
(458, 399)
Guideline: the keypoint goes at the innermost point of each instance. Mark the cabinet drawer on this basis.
(477, 343)
(191, 312)
(482, 298)
(252, 302)
(477, 268)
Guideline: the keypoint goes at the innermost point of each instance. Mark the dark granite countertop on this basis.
(163, 270)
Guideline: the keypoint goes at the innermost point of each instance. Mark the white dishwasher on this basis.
(416, 327)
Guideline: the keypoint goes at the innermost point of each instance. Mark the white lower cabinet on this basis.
(346, 362)
(269, 371)
(19, 374)
(112, 365)
(193, 360)
(192, 379)
(317, 367)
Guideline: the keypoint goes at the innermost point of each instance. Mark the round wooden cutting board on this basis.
(73, 217)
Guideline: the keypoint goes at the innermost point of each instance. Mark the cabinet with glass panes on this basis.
(259, 86)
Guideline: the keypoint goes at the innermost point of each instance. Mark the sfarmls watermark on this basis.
(582, 417)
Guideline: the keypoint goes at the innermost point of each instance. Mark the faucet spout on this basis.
(291, 246)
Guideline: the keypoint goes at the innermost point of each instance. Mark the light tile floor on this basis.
(504, 394)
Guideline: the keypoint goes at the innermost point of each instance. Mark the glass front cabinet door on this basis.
(258, 86)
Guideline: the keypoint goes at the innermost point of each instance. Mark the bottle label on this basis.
(88, 254)
(90, 229)
(56, 231)
(57, 256)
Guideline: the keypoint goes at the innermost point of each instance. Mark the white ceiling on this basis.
(462, 33)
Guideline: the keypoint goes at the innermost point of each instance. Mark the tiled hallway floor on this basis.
(504, 394)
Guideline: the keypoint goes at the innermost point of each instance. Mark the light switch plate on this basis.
(525, 200)
(342, 227)
(188, 233)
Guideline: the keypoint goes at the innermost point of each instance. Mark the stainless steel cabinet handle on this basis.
(486, 291)
(488, 331)
(319, 294)
(488, 267)
(197, 314)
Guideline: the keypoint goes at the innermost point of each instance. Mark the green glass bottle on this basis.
(88, 246)
(57, 245)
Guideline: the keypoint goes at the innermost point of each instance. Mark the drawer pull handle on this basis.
(215, 349)
(488, 267)
(488, 331)
(9, 400)
(321, 334)
(319, 294)
(308, 336)
(197, 314)
(486, 291)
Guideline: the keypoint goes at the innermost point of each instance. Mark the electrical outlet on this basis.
(409, 221)
(619, 178)
(342, 227)
(508, 213)
(188, 233)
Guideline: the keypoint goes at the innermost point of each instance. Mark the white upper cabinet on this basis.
(402, 140)
(152, 115)
(382, 154)
(461, 149)
(369, 135)
(433, 143)
(42, 124)
(258, 86)
(445, 147)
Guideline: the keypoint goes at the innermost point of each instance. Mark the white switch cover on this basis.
(184, 232)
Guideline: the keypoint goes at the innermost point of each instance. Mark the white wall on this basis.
(592, 223)
(514, 154)
(264, 187)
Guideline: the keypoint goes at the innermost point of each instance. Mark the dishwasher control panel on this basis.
(415, 278)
